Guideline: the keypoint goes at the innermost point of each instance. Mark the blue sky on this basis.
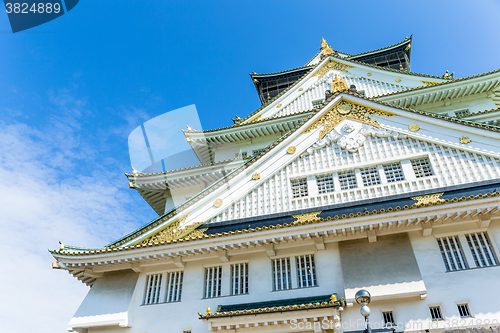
(72, 90)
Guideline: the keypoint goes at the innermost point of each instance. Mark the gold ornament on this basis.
(279, 105)
(327, 51)
(464, 140)
(338, 84)
(291, 150)
(256, 176)
(335, 116)
(218, 203)
(323, 43)
(413, 127)
(429, 198)
(369, 74)
(306, 217)
(300, 89)
(333, 298)
(209, 311)
(332, 65)
(398, 80)
(172, 231)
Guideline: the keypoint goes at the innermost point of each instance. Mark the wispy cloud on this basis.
(55, 186)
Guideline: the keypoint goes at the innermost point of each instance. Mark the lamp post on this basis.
(363, 298)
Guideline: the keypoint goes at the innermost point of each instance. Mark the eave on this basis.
(453, 89)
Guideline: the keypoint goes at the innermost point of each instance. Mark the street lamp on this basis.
(363, 298)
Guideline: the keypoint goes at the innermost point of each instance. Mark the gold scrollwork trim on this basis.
(429, 199)
(173, 231)
(306, 217)
(331, 64)
(345, 110)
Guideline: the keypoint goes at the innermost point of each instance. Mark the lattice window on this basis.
(153, 288)
(370, 176)
(481, 250)
(394, 172)
(213, 279)
(422, 167)
(325, 184)
(436, 313)
(317, 102)
(239, 279)
(388, 318)
(306, 271)
(347, 180)
(463, 310)
(174, 286)
(452, 253)
(299, 188)
(282, 279)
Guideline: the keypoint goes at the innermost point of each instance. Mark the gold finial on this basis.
(323, 43)
(327, 51)
(333, 298)
(209, 311)
(61, 246)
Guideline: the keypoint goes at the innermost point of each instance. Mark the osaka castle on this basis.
(355, 174)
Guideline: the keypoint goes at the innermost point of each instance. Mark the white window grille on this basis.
(153, 287)
(347, 180)
(243, 154)
(239, 279)
(422, 167)
(436, 313)
(306, 271)
(480, 247)
(452, 253)
(325, 184)
(393, 172)
(174, 286)
(282, 279)
(299, 188)
(213, 279)
(388, 318)
(370, 176)
(257, 151)
(463, 310)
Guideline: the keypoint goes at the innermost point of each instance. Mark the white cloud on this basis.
(45, 197)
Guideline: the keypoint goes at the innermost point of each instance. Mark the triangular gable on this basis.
(218, 199)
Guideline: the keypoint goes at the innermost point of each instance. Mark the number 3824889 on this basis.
(40, 8)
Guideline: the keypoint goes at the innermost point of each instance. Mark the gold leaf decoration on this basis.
(429, 198)
(256, 176)
(306, 217)
(332, 65)
(464, 140)
(291, 150)
(413, 127)
(346, 110)
(430, 83)
(173, 231)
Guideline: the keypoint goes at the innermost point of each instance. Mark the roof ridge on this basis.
(281, 72)
(387, 47)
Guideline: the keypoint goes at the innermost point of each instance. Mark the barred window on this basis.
(153, 287)
(370, 176)
(347, 180)
(174, 286)
(435, 313)
(388, 318)
(306, 271)
(213, 278)
(325, 184)
(239, 279)
(299, 188)
(317, 102)
(480, 247)
(463, 310)
(422, 167)
(282, 279)
(393, 172)
(452, 253)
